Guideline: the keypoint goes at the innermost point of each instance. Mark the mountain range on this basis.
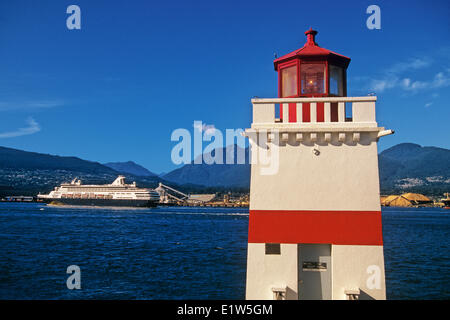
(413, 168)
(27, 173)
(215, 175)
(406, 167)
(130, 167)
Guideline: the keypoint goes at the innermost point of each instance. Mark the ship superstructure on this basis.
(117, 193)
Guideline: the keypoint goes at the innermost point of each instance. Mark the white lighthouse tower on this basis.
(315, 229)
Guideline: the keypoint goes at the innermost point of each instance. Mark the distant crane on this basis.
(167, 194)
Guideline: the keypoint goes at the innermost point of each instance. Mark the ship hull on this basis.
(100, 202)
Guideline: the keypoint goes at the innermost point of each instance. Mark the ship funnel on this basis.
(120, 181)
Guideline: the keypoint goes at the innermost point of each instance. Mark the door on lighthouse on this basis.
(314, 274)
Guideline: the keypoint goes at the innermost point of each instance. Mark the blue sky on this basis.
(116, 89)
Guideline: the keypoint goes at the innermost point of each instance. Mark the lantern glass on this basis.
(313, 78)
(289, 81)
(336, 80)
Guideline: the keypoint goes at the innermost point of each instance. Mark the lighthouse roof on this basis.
(312, 50)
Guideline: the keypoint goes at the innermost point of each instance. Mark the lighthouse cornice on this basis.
(314, 99)
(256, 128)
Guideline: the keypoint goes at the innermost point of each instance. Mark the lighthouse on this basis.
(315, 228)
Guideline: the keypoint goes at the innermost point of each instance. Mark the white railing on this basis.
(314, 112)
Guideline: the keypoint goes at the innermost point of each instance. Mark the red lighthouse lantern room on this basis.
(312, 71)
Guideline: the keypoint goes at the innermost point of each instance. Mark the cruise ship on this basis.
(117, 193)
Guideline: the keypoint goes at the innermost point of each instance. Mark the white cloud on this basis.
(391, 81)
(398, 77)
(6, 106)
(32, 127)
(440, 80)
(411, 64)
(380, 85)
(428, 104)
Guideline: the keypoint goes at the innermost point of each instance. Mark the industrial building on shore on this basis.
(406, 200)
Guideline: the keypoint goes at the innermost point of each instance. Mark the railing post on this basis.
(363, 111)
(299, 112)
(327, 110)
(341, 111)
(263, 113)
(313, 111)
(285, 115)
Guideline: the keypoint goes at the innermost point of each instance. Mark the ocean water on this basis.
(184, 253)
